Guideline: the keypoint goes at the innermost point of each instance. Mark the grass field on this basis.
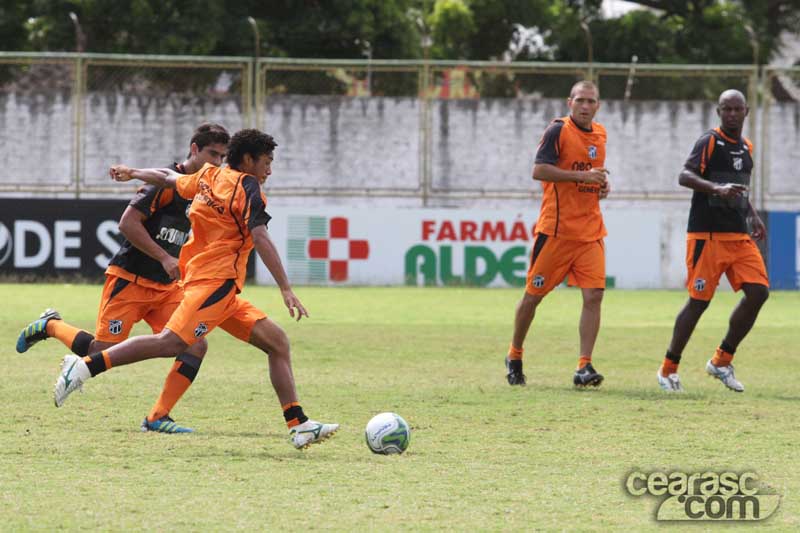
(483, 455)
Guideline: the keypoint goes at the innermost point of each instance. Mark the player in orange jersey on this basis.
(569, 232)
(718, 171)
(142, 280)
(229, 219)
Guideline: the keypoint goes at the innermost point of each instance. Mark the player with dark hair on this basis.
(718, 171)
(142, 280)
(229, 218)
(569, 233)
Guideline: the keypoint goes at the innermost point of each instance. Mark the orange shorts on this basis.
(553, 259)
(210, 303)
(706, 260)
(124, 303)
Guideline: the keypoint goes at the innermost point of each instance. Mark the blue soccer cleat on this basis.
(36, 331)
(165, 424)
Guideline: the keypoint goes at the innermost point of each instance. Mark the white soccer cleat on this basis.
(671, 383)
(74, 373)
(310, 432)
(725, 375)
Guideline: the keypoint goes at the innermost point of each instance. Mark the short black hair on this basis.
(209, 133)
(249, 141)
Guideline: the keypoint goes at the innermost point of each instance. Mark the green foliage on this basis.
(483, 456)
(452, 25)
(685, 31)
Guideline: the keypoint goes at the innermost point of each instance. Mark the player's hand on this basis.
(596, 175)
(730, 190)
(170, 266)
(605, 189)
(294, 305)
(758, 230)
(121, 173)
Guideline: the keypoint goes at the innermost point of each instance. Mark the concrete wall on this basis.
(372, 142)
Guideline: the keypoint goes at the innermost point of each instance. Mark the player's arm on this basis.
(758, 230)
(132, 227)
(269, 256)
(164, 178)
(690, 179)
(548, 172)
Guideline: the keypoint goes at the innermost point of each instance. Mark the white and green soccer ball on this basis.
(388, 433)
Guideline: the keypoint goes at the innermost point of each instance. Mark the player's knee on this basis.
(199, 348)
(698, 306)
(270, 338)
(593, 297)
(757, 294)
(170, 344)
(530, 301)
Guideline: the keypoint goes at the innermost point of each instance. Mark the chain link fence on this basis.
(416, 129)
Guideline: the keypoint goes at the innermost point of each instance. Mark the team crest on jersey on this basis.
(592, 151)
(115, 327)
(699, 284)
(200, 330)
(737, 163)
(538, 281)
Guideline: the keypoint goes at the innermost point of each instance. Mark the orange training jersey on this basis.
(571, 210)
(226, 205)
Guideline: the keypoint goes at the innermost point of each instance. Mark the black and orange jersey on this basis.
(227, 205)
(571, 210)
(720, 159)
(167, 224)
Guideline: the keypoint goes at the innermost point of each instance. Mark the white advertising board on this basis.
(490, 248)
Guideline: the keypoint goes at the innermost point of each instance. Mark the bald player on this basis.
(718, 171)
(569, 233)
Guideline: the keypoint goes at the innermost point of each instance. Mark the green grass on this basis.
(483, 455)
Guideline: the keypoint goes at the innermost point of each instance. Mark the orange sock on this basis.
(58, 329)
(584, 360)
(174, 387)
(514, 354)
(178, 381)
(668, 367)
(721, 358)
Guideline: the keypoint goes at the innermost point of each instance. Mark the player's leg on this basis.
(548, 266)
(588, 271)
(180, 378)
(703, 272)
(78, 341)
(51, 325)
(748, 273)
(75, 371)
(251, 325)
(182, 374)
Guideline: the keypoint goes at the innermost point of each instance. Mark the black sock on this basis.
(80, 346)
(190, 365)
(96, 364)
(672, 357)
(295, 412)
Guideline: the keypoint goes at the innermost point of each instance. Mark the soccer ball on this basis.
(388, 433)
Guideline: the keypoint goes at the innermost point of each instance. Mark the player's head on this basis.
(583, 102)
(208, 145)
(732, 110)
(250, 151)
